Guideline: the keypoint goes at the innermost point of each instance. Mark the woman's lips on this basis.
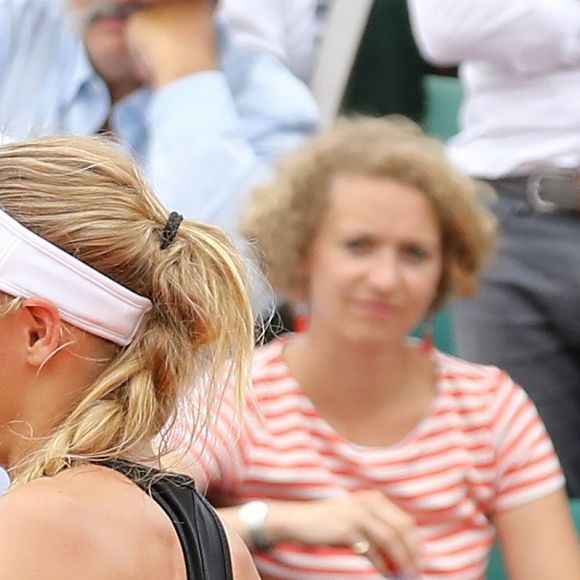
(377, 309)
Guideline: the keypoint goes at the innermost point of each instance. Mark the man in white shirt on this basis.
(520, 66)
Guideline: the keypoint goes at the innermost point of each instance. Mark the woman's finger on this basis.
(389, 544)
(364, 547)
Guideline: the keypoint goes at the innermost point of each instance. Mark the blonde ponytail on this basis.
(82, 195)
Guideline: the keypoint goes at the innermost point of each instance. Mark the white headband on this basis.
(32, 266)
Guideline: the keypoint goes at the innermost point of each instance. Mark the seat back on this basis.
(443, 96)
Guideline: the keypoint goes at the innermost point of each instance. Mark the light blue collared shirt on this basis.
(204, 140)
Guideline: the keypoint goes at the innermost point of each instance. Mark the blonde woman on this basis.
(366, 454)
(108, 306)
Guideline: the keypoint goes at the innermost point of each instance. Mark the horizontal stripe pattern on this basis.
(481, 449)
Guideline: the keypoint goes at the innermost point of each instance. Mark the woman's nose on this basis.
(384, 273)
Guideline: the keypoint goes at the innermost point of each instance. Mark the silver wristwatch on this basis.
(253, 515)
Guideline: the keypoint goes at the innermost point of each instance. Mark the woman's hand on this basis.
(365, 521)
(170, 39)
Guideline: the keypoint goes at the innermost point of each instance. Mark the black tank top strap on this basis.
(200, 531)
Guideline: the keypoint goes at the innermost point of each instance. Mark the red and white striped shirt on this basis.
(481, 449)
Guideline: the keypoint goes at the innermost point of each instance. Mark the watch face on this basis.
(254, 513)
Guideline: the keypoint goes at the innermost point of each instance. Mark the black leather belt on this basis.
(558, 191)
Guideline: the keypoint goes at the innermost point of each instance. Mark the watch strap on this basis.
(253, 515)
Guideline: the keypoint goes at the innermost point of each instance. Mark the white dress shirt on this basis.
(520, 67)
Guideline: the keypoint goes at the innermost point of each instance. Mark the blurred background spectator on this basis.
(363, 453)
(520, 131)
(205, 116)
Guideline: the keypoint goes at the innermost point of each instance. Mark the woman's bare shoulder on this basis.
(81, 524)
(43, 534)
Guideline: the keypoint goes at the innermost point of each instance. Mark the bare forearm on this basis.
(274, 528)
(366, 517)
(539, 540)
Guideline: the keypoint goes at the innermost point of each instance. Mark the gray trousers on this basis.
(526, 319)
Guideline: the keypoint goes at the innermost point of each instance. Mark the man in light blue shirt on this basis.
(204, 117)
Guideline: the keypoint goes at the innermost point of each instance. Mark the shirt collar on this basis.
(82, 73)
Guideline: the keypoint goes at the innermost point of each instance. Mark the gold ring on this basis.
(361, 547)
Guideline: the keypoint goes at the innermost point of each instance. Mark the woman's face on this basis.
(375, 265)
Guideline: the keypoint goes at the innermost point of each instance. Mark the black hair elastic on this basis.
(170, 230)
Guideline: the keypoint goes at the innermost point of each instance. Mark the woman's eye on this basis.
(416, 253)
(357, 244)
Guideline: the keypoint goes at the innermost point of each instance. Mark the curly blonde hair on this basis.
(284, 216)
(84, 196)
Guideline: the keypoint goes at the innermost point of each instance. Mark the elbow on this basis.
(439, 48)
(440, 28)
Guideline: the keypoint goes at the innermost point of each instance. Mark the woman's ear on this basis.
(43, 325)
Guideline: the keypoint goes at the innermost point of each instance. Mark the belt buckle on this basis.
(535, 187)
